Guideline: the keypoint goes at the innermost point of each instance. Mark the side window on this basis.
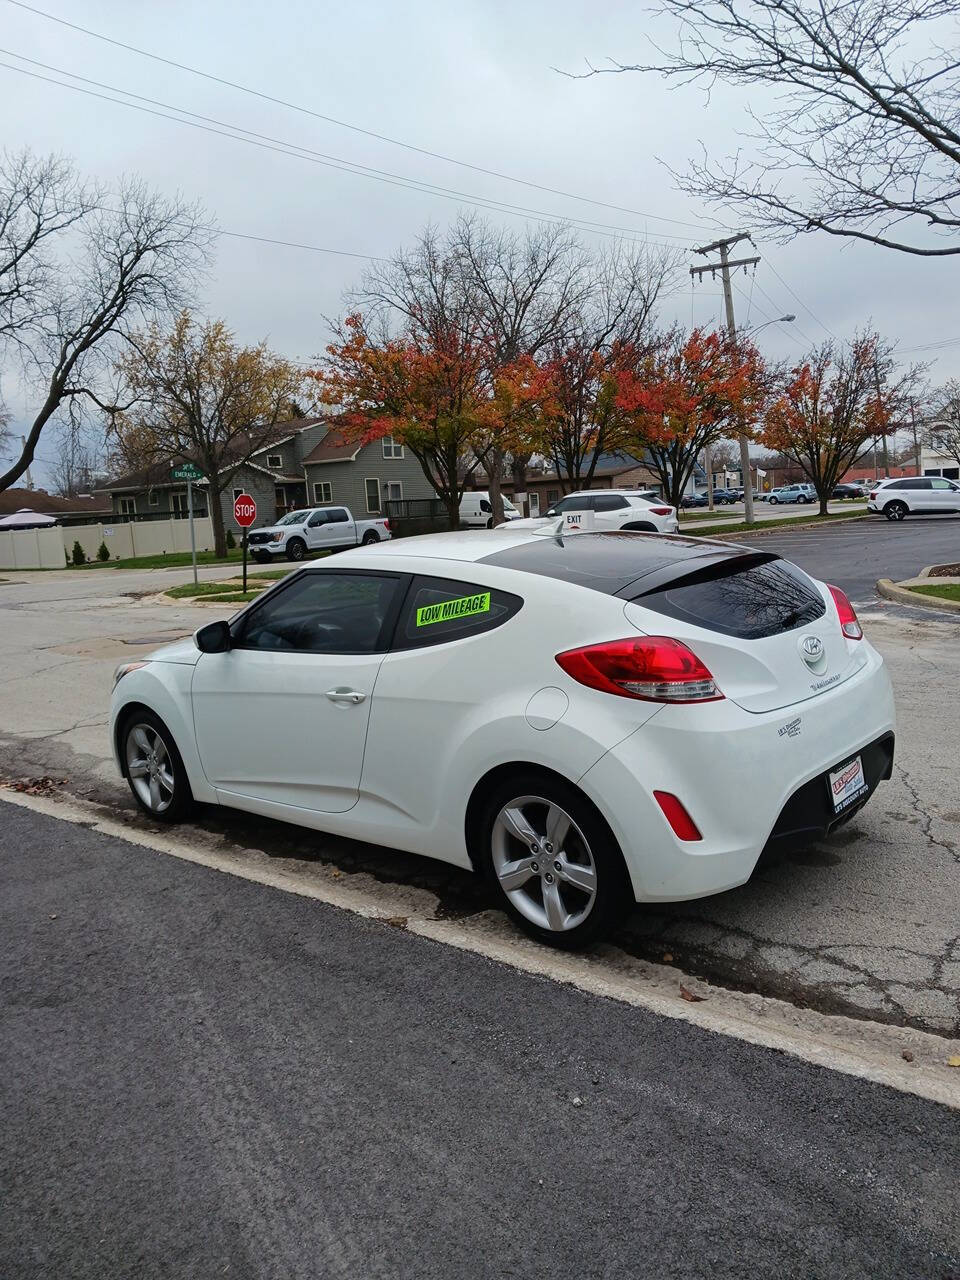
(324, 613)
(485, 506)
(609, 502)
(438, 610)
(318, 518)
(337, 515)
(575, 502)
(941, 484)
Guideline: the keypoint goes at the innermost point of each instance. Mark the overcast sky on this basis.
(472, 80)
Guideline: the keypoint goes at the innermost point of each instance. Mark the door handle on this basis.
(346, 695)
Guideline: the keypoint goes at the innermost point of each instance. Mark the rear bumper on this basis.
(747, 780)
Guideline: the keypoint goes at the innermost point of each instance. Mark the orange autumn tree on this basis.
(520, 398)
(426, 388)
(690, 391)
(832, 409)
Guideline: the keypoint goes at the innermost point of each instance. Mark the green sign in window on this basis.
(453, 610)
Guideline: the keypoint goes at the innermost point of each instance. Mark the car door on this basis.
(341, 528)
(611, 510)
(282, 716)
(945, 496)
(319, 531)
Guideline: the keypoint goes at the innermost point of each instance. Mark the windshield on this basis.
(508, 505)
(293, 517)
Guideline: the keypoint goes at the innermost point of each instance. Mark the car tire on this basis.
(296, 549)
(807, 502)
(162, 791)
(369, 537)
(263, 557)
(773, 501)
(896, 510)
(592, 855)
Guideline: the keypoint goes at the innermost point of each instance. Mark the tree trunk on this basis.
(823, 506)
(216, 519)
(451, 502)
(494, 464)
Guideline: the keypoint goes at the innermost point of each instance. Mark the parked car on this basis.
(612, 509)
(476, 510)
(725, 497)
(693, 500)
(314, 529)
(915, 495)
(574, 719)
(793, 493)
(842, 491)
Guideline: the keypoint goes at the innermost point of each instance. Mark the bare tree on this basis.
(942, 431)
(864, 139)
(78, 273)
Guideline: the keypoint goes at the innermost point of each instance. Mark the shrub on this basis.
(231, 540)
(103, 552)
(78, 554)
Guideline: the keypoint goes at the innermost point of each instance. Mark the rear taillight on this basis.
(873, 495)
(386, 525)
(849, 625)
(652, 668)
(661, 511)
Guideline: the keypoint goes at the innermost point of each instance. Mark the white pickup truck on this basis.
(298, 533)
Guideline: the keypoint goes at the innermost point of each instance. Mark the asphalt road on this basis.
(853, 556)
(200, 1076)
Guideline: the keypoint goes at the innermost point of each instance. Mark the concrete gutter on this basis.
(900, 591)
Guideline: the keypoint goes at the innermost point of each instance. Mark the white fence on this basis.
(49, 548)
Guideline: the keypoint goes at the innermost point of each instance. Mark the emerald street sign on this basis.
(186, 471)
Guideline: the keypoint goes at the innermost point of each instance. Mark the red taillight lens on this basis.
(873, 495)
(661, 511)
(652, 668)
(684, 827)
(386, 525)
(849, 625)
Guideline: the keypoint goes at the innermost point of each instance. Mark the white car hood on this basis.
(183, 651)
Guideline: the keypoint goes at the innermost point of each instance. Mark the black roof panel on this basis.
(611, 561)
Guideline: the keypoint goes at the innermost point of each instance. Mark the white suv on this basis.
(612, 509)
(915, 495)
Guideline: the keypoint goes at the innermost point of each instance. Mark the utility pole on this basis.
(725, 266)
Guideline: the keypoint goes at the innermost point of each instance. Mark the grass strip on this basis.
(946, 591)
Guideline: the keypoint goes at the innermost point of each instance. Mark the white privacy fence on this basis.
(49, 548)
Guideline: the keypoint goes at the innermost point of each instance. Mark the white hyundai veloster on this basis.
(588, 720)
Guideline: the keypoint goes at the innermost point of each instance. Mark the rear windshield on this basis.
(749, 602)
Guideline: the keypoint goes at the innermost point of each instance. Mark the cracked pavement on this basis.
(866, 923)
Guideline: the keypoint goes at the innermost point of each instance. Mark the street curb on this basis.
(903, 595)
(780, 528)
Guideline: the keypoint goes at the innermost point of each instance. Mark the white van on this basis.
(476, 511)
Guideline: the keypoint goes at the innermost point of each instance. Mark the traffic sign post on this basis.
(190, 472)
(244, 512)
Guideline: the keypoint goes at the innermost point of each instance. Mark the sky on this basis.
(477, 81)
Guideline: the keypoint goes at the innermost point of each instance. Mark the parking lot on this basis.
(865, 923)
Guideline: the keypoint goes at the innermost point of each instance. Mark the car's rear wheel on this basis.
(553, 862)
(296, 549)
(895, 510)
(154, 769)
(369, 537)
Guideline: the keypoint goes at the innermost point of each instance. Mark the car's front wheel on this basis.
(154, 769)
(895, 510)
(296, 549)
(553, 862)
(773, 501)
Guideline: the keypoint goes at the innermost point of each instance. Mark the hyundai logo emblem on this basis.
(811, 650)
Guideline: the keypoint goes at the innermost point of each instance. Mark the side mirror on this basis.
(552, 511)
(213, 638)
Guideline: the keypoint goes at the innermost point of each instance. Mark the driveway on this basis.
(865, 923)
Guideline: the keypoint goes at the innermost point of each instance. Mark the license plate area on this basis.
(847, 784)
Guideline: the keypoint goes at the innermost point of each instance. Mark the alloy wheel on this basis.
(149, 767)
(544, 863)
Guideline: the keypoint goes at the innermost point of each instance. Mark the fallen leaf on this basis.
(398, 922)
(907, 1056)
(577, 1102)
(54, 916)
(954, 1061)
(687, 994)
(667, 957)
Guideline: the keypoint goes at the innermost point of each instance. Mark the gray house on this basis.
(362, 477)
(306, 463)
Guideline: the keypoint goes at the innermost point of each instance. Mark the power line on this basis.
(794, 327)
(298, 152)
(796, 297)
(344, 124)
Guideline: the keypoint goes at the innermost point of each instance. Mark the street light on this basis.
(744, 445)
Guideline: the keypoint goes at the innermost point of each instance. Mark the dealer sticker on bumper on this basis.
(847, 784)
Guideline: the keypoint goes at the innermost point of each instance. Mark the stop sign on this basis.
(244, 510)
